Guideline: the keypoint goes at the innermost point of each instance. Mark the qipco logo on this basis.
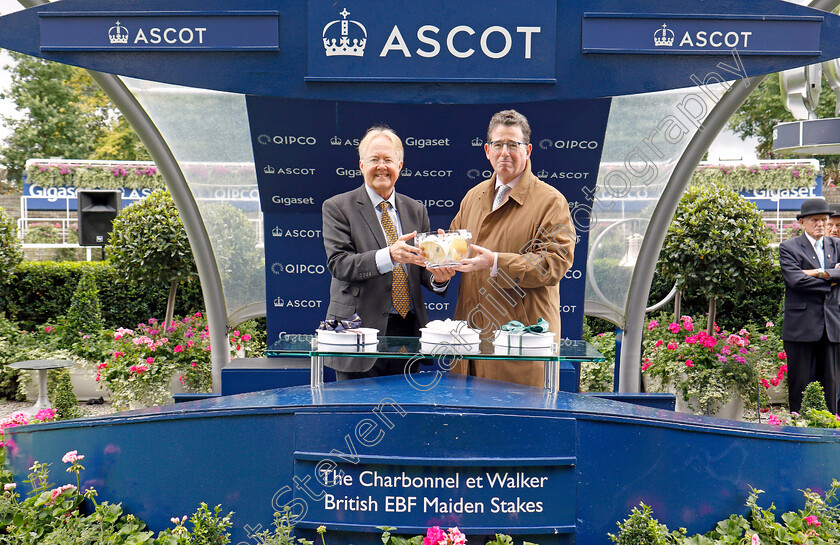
(297, 268)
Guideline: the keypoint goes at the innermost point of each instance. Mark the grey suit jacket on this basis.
(352, 235)
(811, 304)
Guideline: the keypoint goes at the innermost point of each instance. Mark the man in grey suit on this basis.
(375, 272)
(811, 328)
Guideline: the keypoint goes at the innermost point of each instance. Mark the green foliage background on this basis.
(41, 292)
(61, 112)
(716, 240)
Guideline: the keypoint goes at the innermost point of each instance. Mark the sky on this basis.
(727, 146)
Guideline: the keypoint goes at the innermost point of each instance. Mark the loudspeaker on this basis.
(97, 209)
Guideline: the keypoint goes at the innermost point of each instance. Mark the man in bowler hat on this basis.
(811, 328)
(833, 229)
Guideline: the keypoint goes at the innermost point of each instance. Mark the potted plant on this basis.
(707, 372)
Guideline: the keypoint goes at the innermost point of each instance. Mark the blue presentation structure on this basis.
(307, 151)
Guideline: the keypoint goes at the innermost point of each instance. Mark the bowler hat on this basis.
(814, 207)
(835, 210)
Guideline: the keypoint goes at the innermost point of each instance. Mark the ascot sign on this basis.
(500, 42)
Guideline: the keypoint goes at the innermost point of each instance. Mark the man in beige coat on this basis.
(524, 244)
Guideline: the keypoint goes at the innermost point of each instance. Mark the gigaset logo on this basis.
(289, 201)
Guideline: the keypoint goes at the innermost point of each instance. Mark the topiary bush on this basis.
(62, 398)
(716, 240)
(85, 314)
(11, 250)
(814, 398)
(149, 245)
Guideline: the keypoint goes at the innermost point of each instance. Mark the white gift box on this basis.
(359, 336)
(515, 351)
(519, 339)
(450, 332)
(442, 349)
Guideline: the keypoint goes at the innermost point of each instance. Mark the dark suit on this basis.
(811, 328)
(352, 235)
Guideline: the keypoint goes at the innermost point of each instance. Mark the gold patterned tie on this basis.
(399, 289)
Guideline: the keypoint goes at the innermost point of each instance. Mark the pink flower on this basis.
(178, 348)
(246, 337)
(812, 520)
(660, 342)
(769, 324)
(672, 346)
(150, 360)
(763, 337)
(783, 368)
(782, 355)
(47, 329)
(653, 324)
(755, 540)
(774, 381)
(773, 420)
(194, 364)
(725, 350)
(722, 358)
(45, 414)
(740, 359)
(674, 328)
(190, 344)
(689, 363)
(765, 383)
(456, 537)
(72, 457)
(435, 536)
(688, 325)
(9, 486)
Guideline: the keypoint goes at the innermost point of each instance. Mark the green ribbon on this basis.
(518, 327)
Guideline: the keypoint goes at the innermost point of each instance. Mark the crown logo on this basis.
(277, 232)
(335, 141)
(278, 302)
(663, 37)
(350, 41)
(542, 174)
(477, 142)
(268, 169)
(118, 34)
(406, 172)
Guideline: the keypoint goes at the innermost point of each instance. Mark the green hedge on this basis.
(757, 301)
(40, 292)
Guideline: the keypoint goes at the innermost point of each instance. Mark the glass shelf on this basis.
(408, 347)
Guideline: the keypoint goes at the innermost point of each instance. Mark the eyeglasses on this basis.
(387, 161)
(513, 147)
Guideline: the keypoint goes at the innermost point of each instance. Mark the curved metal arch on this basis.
(631, 347)
(208, 271)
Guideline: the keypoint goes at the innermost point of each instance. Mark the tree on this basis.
(62, 112)
(716, 242)
(149, 245)
(11, 250)
(764, 109)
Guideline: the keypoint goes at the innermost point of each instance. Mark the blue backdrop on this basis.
(306, 152)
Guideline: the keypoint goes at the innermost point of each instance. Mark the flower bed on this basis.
(708, 371)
